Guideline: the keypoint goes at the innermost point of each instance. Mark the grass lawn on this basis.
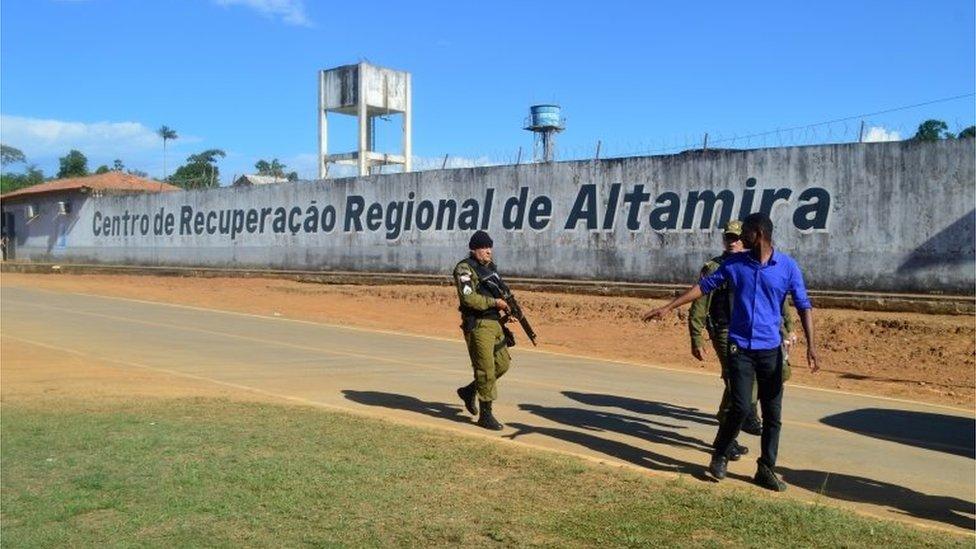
(218, 472)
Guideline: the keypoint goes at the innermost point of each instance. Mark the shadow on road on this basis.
(439, 410)
(646, 407)
(584, 422)
(598, 420)
(944, 509)
(940, 432)
(579, 418)
(619, 450)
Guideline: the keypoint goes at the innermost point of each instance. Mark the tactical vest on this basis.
(720, 306)
(483, 271)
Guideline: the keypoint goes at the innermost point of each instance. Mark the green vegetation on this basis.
(275, 168)
(937, 130)
(73, 164)
(166, 134)
(200, 170)
(207, 472)
(11, 155)
(13, 181)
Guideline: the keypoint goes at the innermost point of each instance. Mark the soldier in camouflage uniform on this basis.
(481, 321)
(710, 313)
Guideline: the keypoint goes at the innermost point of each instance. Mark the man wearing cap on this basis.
(760, 280)
(481, 322)
(710, 313)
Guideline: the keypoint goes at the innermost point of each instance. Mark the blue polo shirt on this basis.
(758, 292)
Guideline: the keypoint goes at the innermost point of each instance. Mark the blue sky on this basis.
(102, 75)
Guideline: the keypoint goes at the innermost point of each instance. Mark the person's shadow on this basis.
(574, 417)
(645, 407)
(438, 410)
(598, 420)
(619, 450)
(944, 509)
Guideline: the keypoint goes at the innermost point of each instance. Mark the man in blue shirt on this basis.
(760, 280)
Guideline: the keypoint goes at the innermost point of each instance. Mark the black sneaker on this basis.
(766, 478)
(752, 426)
(469, 395)
(736, 451)
(718, 467)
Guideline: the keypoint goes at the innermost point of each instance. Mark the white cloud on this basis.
(878, 133)
(291, 12)
(45, 140)
(40, 137)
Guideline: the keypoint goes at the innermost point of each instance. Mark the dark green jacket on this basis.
(474, 299)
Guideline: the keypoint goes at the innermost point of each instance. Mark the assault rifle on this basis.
(500, 290)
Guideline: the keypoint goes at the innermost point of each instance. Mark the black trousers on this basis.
(765, 367)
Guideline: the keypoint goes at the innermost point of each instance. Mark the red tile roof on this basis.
(112, 182)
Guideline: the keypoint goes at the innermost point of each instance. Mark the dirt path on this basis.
(930, 358)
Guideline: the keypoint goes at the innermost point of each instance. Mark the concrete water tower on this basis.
(545, 121)
(366, 92)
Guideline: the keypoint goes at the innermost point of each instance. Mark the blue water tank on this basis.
(545, 116)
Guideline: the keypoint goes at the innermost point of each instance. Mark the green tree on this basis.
(73, 164)
(200, 170)
(11, 155)
(274, 169)
(102, 169)
(968, 133)
(167, 134)
(118, 166)
(932, 130)
(13, 181)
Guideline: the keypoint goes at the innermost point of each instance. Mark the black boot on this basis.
(766, 478)
(718, 467)
(752, 424)
(469, 395)
(736, 451)
(486, 419)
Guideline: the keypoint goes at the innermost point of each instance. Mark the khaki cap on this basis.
(733, 227)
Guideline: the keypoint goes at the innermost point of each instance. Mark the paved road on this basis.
(890, 458)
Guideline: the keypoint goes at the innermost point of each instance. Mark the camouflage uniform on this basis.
(482, 328)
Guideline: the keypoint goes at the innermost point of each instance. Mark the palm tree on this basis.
(166, 133)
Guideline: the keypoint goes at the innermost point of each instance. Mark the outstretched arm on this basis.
(705, 286)
(692, 294)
